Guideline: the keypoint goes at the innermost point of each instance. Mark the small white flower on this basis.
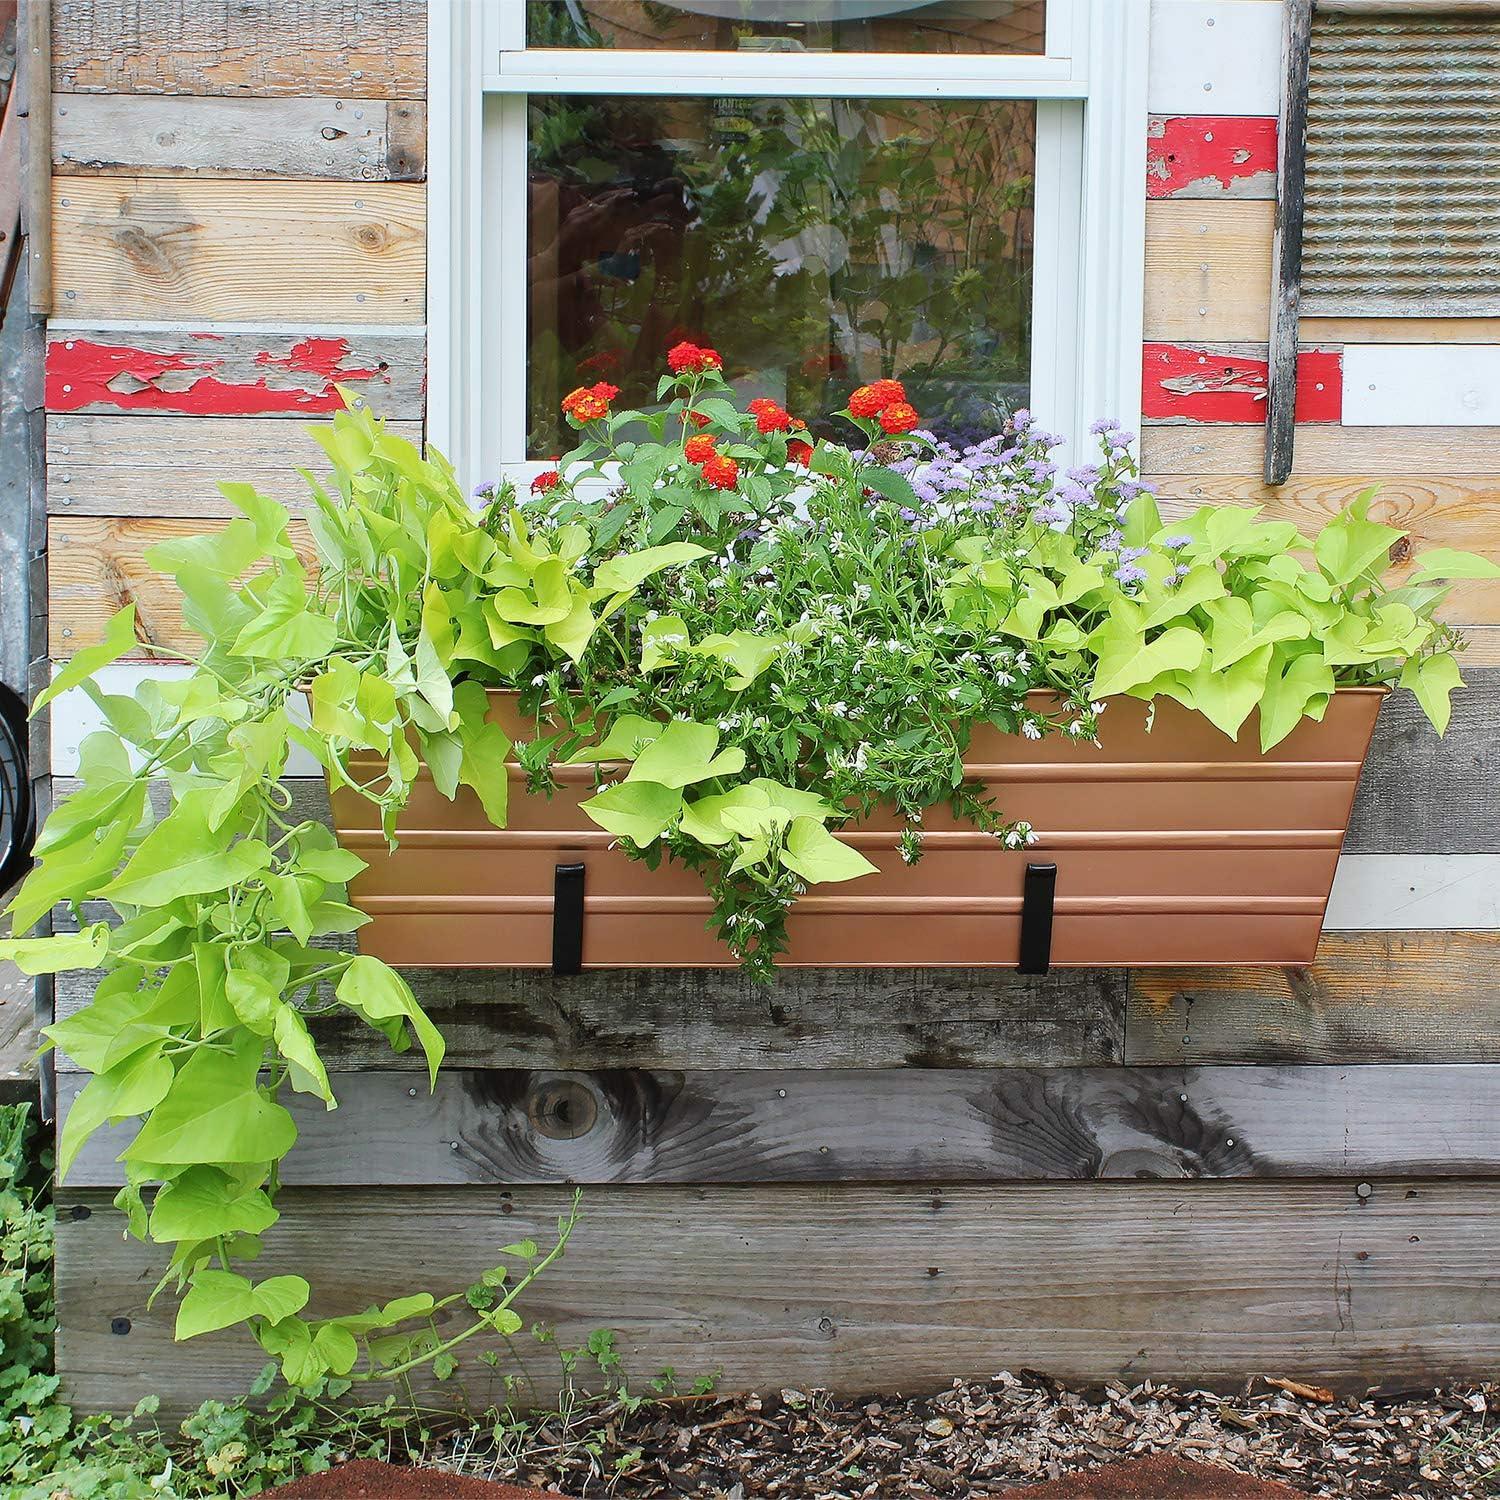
(539, 681)
(1030, 730)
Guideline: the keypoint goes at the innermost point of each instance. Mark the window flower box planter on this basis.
(1175, 846)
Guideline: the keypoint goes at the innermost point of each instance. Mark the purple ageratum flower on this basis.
(908, 514)
(1111, 541)
(1129, 554)
(904, 465)
(485, 491)
(982, 505)
(1073, 494)
(1087, 474)
(1130, 573)
(1121, 439)
(924, 491)
(1055, 514)
(1021, 420)
(1103, 425)
(1130, 488)
(1173, 543)
(1040, 468)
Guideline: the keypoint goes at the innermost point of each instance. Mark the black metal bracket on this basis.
(1036, 919)
(567, 919)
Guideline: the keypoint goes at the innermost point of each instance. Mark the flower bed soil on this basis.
(365, 1479)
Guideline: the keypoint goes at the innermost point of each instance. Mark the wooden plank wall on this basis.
(852, 1180)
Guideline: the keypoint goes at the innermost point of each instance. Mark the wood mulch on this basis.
(987, 1439)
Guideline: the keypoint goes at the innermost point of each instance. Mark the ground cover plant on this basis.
(752, 636)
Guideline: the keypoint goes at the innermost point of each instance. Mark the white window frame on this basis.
(1090, 217)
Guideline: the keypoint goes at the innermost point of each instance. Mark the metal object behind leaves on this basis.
(1403, 215)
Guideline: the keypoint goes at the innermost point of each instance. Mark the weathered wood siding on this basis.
(859, 1180)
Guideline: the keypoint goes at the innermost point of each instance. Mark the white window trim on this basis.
(1088, 281)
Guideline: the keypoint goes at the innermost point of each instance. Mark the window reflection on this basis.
(816, 243)
(973, 26)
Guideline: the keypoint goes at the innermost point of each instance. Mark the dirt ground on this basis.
(985, 1439)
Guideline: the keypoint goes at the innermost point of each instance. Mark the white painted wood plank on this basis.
(1422, 385)
(74, 716)
(1215, 57)
(1415, 891)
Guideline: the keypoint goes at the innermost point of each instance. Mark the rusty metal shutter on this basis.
(1403, 166)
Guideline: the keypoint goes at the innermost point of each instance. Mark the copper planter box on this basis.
(1173, 847)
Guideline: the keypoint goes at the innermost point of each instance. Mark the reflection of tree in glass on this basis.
(836, 240)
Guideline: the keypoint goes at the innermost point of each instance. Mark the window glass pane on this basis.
(991, 26)
(816, 243)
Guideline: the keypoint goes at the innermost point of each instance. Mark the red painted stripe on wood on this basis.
(1207, 384)
(82, 373)
(1208, 153)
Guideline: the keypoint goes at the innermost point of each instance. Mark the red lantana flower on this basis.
(799, 452)
(685, 357)
(721, 472)
(588, 403)
(871, 400)
(699, 448)
(770, 416)
(545, 481)
(900, 416)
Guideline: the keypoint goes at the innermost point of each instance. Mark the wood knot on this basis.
(562, 1109)
(144, 252)
(371, 237)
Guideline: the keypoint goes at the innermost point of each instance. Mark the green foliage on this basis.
(746, 665)
(252, 1444)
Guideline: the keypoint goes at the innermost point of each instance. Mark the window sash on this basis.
(1089, 215)
(504, 36)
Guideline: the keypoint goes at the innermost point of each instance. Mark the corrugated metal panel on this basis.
(1403, 166)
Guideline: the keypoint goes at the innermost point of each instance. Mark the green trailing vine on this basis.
(752, 637)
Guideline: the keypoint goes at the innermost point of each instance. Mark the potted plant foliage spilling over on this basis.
(765, 660)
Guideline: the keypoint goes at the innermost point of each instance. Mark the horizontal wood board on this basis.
(1371, 997)
(860, 1288)
(1208, 270)
(211, 373)
(1214, 57)
(261, 48)
(345, 139)
(878, 1125)
(98, 565)
(687, 1018)
(198, 249)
